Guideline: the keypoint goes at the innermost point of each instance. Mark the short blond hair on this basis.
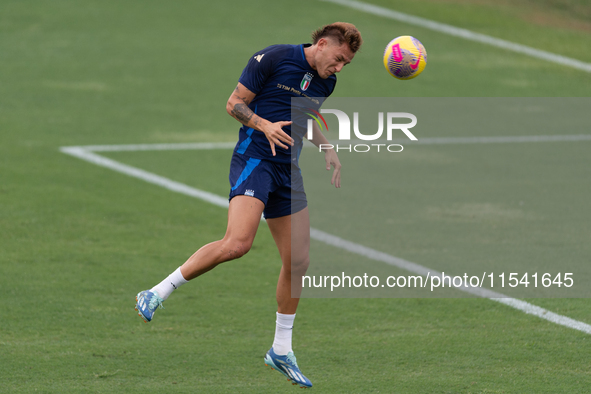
(342, 32)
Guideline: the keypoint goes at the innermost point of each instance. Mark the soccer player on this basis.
(265, 177)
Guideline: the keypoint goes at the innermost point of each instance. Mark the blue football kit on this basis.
(276, 74)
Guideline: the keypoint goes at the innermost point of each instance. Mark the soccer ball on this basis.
(405, 57)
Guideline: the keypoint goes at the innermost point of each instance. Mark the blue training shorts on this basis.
(278, 185)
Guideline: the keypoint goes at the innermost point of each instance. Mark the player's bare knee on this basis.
(235, 248)
(299, 266)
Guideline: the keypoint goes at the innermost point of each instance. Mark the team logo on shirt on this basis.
(306, 81)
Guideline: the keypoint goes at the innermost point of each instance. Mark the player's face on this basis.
(332, 57)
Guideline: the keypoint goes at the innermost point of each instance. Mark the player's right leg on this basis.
(244, 216)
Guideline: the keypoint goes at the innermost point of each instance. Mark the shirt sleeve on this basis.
(258, 70)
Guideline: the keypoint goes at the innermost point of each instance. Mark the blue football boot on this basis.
(147, 303)
(288, 366)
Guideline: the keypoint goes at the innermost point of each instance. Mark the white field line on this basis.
(415, 268)
(83, 153)
(146, 147)
(422, 141)
(463, 33)
(500, 139)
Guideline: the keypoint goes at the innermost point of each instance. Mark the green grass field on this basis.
(79, 241)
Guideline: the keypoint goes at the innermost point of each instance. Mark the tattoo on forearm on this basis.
(242, 113)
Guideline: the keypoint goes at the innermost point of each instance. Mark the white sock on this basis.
(171, 283)
(283, 330)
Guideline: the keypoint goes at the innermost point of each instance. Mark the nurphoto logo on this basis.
(345, 130)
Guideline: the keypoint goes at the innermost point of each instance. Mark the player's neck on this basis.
(310, 53)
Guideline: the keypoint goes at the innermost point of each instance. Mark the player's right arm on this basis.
(237, 107)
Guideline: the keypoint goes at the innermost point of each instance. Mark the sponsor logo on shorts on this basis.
(249, 192)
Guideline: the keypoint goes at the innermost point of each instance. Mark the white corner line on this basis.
(83, 153)
(148, 147)
(307, 144)
(463, 33)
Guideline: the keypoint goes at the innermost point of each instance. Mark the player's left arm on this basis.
(330, 156)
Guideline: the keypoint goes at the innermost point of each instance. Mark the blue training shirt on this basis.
(276, 74)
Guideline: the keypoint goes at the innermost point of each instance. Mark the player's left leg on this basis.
(292, 236)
